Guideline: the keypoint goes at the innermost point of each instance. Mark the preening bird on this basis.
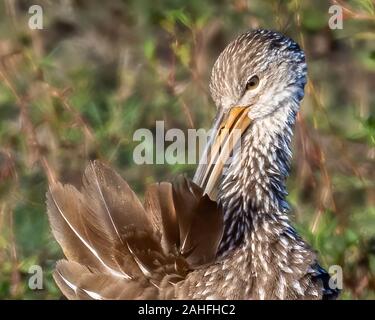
(224, 235)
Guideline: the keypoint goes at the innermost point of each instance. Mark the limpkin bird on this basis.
(224, 235)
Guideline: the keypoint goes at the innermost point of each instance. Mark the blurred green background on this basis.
(79, 88)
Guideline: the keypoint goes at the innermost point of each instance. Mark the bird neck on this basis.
(253, 190)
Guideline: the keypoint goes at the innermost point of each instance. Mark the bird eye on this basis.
(252, 83)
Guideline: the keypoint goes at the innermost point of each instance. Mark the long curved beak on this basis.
(225, 138)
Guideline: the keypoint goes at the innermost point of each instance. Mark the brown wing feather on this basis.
(123, 215)
(116, 247)
(160, 206)
(76, 233)
(200, 222)
(111, 198)
(78, 282)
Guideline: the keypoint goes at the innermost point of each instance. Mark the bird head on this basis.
(251, 79)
